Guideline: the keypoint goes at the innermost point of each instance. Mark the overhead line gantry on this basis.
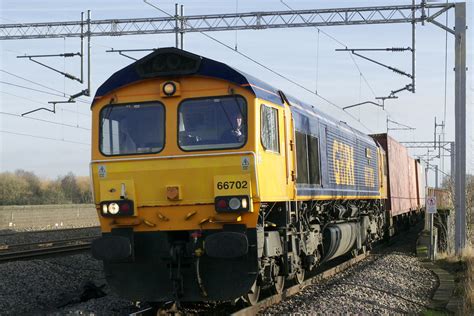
(233, 21)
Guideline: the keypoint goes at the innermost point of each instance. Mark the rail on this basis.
(46, 231)
(45, 249)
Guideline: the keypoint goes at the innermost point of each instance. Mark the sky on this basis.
(52, 144)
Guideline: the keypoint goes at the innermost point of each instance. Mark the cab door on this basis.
(273, 166)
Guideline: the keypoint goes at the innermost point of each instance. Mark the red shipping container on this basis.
(403, 192)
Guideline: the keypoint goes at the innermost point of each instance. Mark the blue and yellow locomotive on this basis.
(211, 184)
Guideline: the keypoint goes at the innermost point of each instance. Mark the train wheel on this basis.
(279, 284)
(299, 278)
(354, 253)
(252, 296)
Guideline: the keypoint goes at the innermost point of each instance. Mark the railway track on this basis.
(30, 232)
(42, 249)
(268, 300)
(45, 243)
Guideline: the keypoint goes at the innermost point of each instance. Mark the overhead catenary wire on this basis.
(33, 82)
(44, 137)
(265, 67)
(361, 74)
(404, 127)
(341, 44)
(36, 90)
(55, 93)
(37, 102)
(61, 93)
(45, 121)
(31, 89)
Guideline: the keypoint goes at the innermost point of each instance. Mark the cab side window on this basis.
(302, 158)
(313, 158)
(269, 129)
(307, 154)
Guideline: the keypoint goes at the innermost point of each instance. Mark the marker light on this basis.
(104, 208)
(125, 207)
(113, 208)
(169, 88)
(234, 203)
(244, 203)
(221, 204)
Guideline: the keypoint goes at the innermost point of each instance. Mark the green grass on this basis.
(433, 312)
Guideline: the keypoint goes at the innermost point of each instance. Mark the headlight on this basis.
(113, 208)
(169, 88)
(117, 208)
(234, 203)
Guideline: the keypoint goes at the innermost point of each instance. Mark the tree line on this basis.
(26, 188)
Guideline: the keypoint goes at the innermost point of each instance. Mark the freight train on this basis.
(211, 185)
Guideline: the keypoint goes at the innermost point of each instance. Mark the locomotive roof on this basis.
(202, 66)
(207, 67)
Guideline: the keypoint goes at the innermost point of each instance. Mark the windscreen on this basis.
(212, 123)
(128, 129)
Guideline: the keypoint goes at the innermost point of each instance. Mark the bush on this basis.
(25, 188)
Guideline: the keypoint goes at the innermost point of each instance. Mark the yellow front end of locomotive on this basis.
(178, 193)
(177, 189)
